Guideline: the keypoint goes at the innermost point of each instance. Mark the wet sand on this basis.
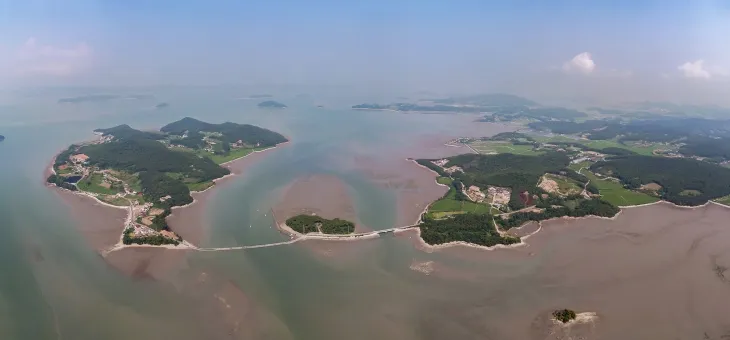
(324, 195)
(656, 272)
(100, 225)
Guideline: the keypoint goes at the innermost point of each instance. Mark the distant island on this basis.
(406, 107)
(258, 96)
(88, 98)
(151, 172)
(489, 99)
(272, 104)
(162, 105)
(305, 224)
(469, 104)
(2, 138)
(103, 98)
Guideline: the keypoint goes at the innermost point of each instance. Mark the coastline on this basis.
(184, 245)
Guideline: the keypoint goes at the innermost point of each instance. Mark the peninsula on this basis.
(149, 173)
(272, 104)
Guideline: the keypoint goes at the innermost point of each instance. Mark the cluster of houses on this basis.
(450, 170)
(79, 158)
(588, 156)
(496, 196)
(475, 194)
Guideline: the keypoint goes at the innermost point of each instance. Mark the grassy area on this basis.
(444, 180)
(578, 166)
(448, 205)
(690, 192)
(199, 186)
(616, 194)
(233, 154)
(723, 200)
(131, 179)
(114, 200)
(93, 183)
(220, 159)
(646, 150)
(486, 147)
(67, 170)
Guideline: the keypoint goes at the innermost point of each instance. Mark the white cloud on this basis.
(695, 69)
(582, 63)
(34, 58)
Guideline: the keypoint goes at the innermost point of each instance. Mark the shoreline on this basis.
(184, 245)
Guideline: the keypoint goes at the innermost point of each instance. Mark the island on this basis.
(2, 138)
(305, 224)
(271, 105)
(161, 105)
(564, 315)
(150, 172)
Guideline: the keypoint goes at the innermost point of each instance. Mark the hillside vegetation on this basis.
(683, 181)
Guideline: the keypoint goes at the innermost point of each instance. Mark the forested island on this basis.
(272, 104)
(564, 315)
(304, 224)
(155, 171)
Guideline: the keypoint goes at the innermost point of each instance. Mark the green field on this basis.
(487, 147)
(131, 179)
(616, 194)
(233, 154)
(92, 183)
(199, 186)
(448, 205)
(646, 150)
(578, 166)
(120, 201)
(723, 200)
(444, 180)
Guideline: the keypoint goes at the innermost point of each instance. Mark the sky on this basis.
(564, 50)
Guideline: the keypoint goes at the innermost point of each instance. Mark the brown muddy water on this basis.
(655, 272)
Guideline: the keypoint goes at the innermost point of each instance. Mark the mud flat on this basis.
(100, 225)
(324, 195)
(655, 272)
(190, 221)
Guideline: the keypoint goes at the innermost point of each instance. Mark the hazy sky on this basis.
(601, 50)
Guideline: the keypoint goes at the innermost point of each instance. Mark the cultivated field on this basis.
(615, 193)
(490, 147)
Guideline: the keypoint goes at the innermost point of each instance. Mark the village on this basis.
(108, 188)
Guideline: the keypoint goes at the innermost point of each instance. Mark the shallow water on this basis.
(655, 272)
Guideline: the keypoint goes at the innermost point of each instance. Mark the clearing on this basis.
(560, 184)
(492, 147)
(615, 193)
(641, 148)
(97, 184)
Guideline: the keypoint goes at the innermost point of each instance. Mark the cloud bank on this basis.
(581, 63)
(694, 69)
